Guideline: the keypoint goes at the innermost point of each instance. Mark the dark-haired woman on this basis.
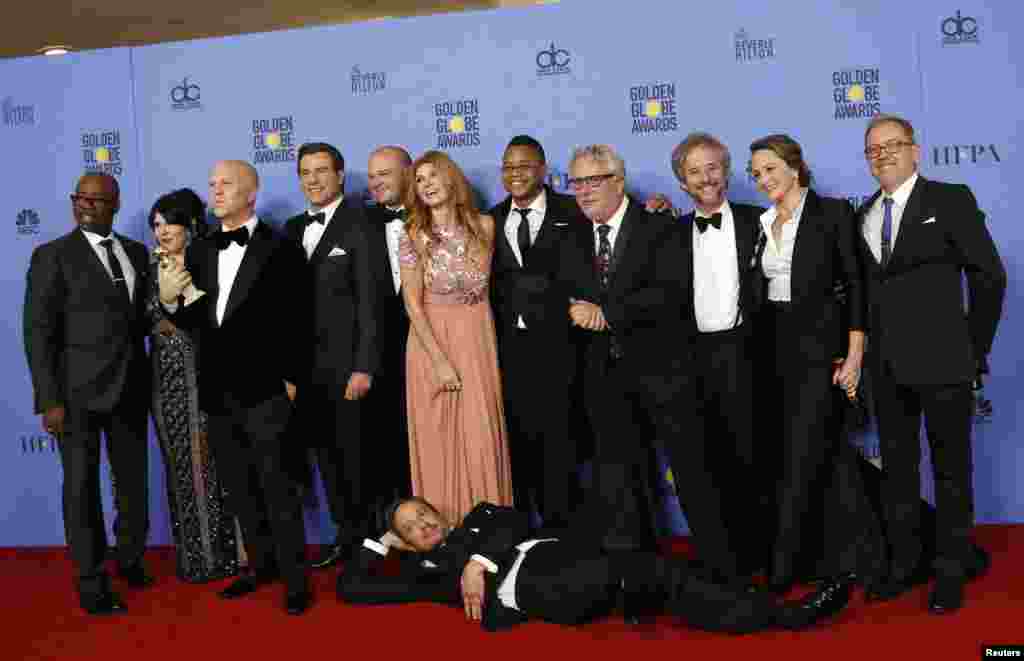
(204, 533)
(807, 254)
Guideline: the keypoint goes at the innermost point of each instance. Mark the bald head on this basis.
(233, 187)
(97, 198)
(386, 174)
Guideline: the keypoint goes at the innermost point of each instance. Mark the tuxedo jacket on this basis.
(826, 258)
(392, 317)
(85, 344)
(919, 328)
(530, 290)
(648, 304)
(747, 228)
(341, 279)
(261, 341)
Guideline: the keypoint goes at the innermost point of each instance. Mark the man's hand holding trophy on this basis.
(174, 280)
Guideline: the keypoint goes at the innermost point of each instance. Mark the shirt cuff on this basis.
(375, 546)
(491, 567)
(170, 307)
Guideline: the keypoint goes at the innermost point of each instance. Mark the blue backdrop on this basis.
(638, 76)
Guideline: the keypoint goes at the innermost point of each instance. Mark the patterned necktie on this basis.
(702, 222)
(604, 255)
(886, 231)
(115, 269)
(523, 234)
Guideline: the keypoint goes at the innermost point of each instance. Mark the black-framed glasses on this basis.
(519, 168)
(86, 200)
(589, 183)
(890, 147)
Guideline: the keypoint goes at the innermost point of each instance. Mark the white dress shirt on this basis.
(873, 221)
(716, 276)
(119, 253)
(229, 261)
(311, 235)
(393, 234)
(777, 261)
(615, 222)
(538, 208)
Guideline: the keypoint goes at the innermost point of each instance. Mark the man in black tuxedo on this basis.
(85, 327)
(719, 241)
(386, 176)
(501, 575)
(921, 239)
(629, 285)
(253, 339)
(340, 278)
(533, 330)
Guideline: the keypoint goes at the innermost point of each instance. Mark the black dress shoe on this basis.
(825, 602)
(888, 590)
(136, 576)
(244, 585)
(297, 603)
(330, 556)
(104, 603)
(947, 596)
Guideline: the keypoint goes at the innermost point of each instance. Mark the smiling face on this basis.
(899, 158)
(523, 172)
(385, 175)
(773, 176)
(433, 187)
(420, 526)
(172, 238)
(704, 177)
(321, 182)
(95, 203)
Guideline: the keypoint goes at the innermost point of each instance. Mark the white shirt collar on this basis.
(725, 210)
(768, 217)
(94, 238)
(329, 210)
(539, 204)
(616, 220)
(901, 194)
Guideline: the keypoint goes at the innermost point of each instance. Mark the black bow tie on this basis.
(239, 236)
(316, 218)
(702, 223)
(392, 214)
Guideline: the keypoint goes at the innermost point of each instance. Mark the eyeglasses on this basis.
(85, 200)
(519, 168)
(891, 147)
(590, 183)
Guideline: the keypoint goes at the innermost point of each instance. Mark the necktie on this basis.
(239, 236)
(315, 218)
(886, 230)
(523, 235)
(702, 222)
(115, 269)
(604, 264)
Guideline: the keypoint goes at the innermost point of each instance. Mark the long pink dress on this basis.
(457, 440)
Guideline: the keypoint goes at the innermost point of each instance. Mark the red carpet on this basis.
(177, 621)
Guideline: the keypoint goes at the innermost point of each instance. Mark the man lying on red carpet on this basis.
(502, 576)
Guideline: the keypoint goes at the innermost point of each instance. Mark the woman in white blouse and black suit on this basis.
(813, 319)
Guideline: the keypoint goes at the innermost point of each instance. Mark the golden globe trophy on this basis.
(191, 293)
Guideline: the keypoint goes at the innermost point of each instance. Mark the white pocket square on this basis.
(336, 251)
(930, 220)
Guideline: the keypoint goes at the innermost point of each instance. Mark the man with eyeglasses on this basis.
(85, 325)
(921, 239)
(533, 221)
(628, 285)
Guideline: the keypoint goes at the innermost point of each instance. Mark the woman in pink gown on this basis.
(457, 439)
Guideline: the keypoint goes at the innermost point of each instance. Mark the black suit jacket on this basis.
(531, 290)
(918, 324)
(263, 338)
(649, 302)
(825, 258)
(392, 317)
(747, 227)
(343, 291)
(85, 345)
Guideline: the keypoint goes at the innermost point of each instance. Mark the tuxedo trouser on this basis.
(386, 429)
(725, 403)
(947, 410)
(563, 583)
(249, 445)
(127, 451)
(541, 449)
(335, 426)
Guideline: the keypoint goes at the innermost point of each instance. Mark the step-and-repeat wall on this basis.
(637, 75)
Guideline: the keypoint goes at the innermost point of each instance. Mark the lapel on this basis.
(139, 263)
(256, 253)
(746, 229)
(913, 216)
(206, 258)
(85, 254)
(809, 221)
(330, 237)
(622, 240)
(862, 217)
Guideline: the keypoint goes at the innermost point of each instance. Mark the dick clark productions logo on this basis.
(959, 29)
(186, 95)
(553, 61)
